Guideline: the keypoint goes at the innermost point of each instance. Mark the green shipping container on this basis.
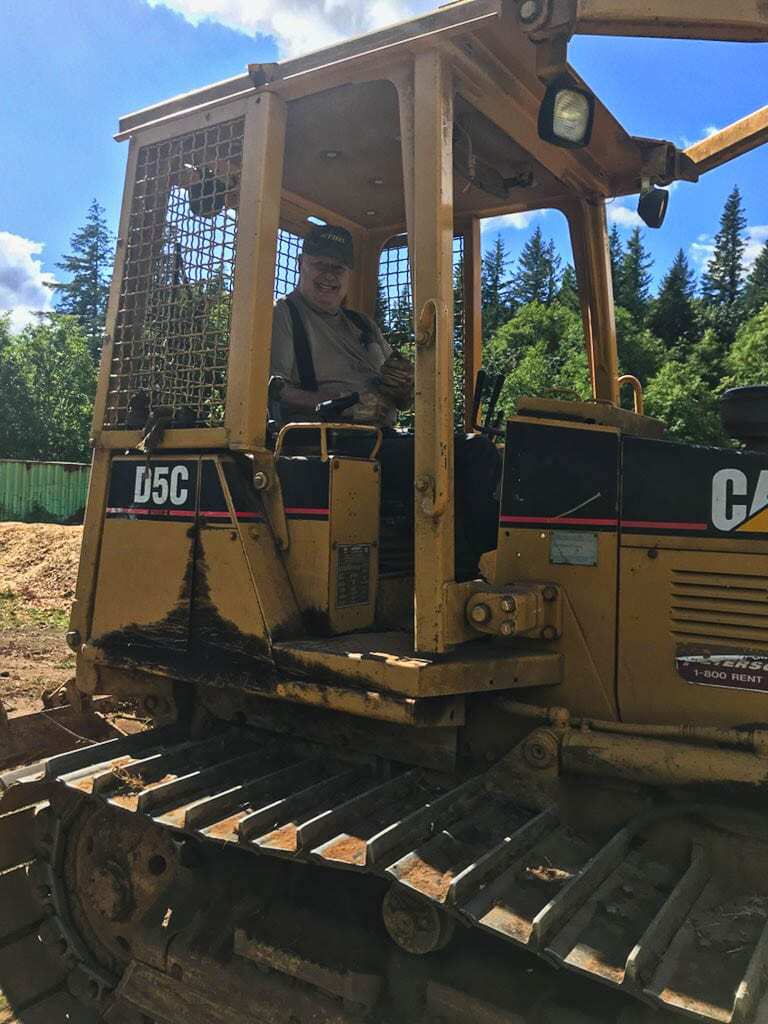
(42, 492)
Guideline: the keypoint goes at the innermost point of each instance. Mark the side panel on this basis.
(559, 523)
(694, 601)
(225, 611)
(145, 571)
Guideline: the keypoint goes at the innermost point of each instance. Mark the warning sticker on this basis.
(353, 575)
(735, 671)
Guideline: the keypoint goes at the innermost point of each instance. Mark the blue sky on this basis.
(74, 66)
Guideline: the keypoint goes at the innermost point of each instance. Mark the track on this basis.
(649, 908)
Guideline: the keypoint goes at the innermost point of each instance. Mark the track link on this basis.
(608, 907)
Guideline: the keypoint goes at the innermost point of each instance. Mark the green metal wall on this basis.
(42, 492)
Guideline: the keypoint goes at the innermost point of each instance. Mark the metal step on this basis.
(604, 906)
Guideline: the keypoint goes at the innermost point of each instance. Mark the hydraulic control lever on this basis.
(492, 383)
(331, 410)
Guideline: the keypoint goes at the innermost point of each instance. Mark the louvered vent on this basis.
(720, 608)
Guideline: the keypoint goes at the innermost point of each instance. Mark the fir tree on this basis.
(724, 278)
(756, 293)
(569, 289)
(89, 266)
(494, 289)
(538, 273)
(673, 318)
(616, 251)
(634, 282)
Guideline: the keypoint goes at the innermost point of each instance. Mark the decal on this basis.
(569, 547)
(733, 671)
(737, 505)
(671, 488)
(162, 489)
(157, 485)
(305, 487)
(560, 477)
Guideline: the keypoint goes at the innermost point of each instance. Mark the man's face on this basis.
(324, 281)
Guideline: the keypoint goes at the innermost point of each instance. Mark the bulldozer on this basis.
(383, 781)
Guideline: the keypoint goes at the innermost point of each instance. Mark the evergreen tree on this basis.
(673, 317)
(724, 277)
(89, 266)
(538, 273)
(756, 293)
(381, 312)
(554, 272)
(569, 289)
(495, 288)
(633, 289)
(616, 251)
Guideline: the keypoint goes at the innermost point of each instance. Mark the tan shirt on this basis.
(338, 353)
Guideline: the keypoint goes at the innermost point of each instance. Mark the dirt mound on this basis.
(38, 563)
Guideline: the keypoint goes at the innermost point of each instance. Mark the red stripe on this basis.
(306, 511)
(641, 525)
(216, 515)
(250, 515)
(626, 524)
(162, 512)
(559, 521)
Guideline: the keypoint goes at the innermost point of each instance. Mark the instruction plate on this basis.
(568, 547)
(353, 577)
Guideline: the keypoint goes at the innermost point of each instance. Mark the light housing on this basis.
(652, 207)
(567, 114)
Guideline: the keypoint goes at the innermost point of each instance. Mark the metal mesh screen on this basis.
(171, 340)
(394, 307)
(287, 262)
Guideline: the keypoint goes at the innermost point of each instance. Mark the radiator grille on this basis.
(719, 607)
(171, 339)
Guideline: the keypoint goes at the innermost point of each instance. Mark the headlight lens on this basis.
(567, 114)
(571, 116)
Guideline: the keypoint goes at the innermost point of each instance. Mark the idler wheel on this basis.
(110, 891)
(414, 925)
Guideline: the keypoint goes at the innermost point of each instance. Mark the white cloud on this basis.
(298, 26)
(517, 221)
(703, 248)
(22, 279)
(757, 238)
(624, 216)
(710, 130)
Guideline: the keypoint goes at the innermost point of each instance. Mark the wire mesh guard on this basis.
(394, 307)
(287, 262)
(171, 340)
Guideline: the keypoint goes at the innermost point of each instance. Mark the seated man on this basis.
(321, 350)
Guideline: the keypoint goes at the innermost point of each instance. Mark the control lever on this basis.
(490, 413)
(329, 411)
(477, 399)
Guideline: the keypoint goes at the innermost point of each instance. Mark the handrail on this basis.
(637, 392)
(324, 428)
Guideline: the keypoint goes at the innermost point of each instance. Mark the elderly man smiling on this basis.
(321, 350)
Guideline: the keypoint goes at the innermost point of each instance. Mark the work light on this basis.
(652, 206)
(567, 114)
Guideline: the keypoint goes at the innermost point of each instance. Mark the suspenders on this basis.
(305, 366)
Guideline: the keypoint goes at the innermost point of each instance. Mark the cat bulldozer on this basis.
(390, 777)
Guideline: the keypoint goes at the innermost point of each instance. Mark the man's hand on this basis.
(395, 381)
(372, 409)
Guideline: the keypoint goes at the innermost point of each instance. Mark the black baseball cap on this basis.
(333, 241)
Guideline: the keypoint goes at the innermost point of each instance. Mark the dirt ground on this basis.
(38, 570)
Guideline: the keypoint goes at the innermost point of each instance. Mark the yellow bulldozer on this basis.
(386, 781)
